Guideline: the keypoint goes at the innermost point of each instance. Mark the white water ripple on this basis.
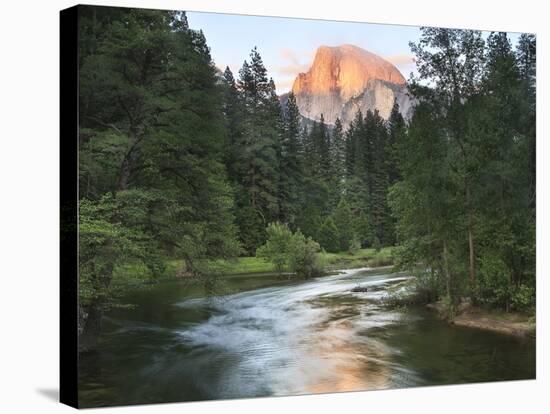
(280, 340)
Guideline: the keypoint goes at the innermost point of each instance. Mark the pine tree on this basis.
(328, 236)
(247, 86)
(396, 127)
(423, 201)
(526, 55)
(356, 189)
(258, 150)
(455, 59)
(233, 121)
(311, 156)
(355, 147)
(463, 201)
(322, 143)
(290, 163)
(261, 90)
(343, 220)
(376, 175)
(349, 147)
(152, 139)
(338, 158)
(502, 148)
(318, 160)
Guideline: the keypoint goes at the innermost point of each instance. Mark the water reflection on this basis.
(285, 338)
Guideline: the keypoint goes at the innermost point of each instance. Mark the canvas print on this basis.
(274, 206)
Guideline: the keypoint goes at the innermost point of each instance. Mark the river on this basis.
(270, 337)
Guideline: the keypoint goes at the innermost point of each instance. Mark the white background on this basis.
(29, 191)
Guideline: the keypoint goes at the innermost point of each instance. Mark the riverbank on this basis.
(360, 258)
(137, 274)
(330, 261)
(509, 323)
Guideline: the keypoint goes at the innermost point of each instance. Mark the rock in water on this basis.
(345, 79)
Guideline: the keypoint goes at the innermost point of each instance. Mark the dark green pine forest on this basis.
(180, 161)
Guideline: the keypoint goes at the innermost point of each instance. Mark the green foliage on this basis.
(427, 287)
(258, 147)
(290, 163)
(357, 197)
(396, 130)
(328, 236)
(104, 244)
(304, 257)
(376, 244)
(240, 265)
(250, 227)
(448, 308)
(354, 246)
(523, 299)
(463, 204)
(290, 251)
(343, 220)
(338, 160)
(299, 175)
(152, 137)
(277, 246)
(359, 258)
(497, 289)
(313, 206)
(493, 281)
(180, 163)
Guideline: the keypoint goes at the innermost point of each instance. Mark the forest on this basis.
(179, 160)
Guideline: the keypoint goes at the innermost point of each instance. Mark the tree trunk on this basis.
(90, 318)
(124, 175)
(471, 246)
(509, 287)
(128, 162)
(446, 266)
(472, 268)
(253, 195)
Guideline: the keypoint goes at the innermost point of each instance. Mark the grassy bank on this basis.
(237, 266)
(137, 273)
(360, 258)
(330, 261)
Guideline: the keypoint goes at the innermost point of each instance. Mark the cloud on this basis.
(400, 60)
(292, 63)
(284, 84)
(221, 68)
(289, 55)
(288, 70)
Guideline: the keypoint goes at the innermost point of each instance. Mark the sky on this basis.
(288, 45)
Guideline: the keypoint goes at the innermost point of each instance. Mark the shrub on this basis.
(448, 309)
(277, 246)
(493, 285)
(304, 256)
(354, 246)
(292, 252)
(523, 298)
(376, 245)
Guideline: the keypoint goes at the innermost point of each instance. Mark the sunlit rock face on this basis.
(345, 79)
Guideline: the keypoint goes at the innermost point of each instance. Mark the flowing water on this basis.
(270, 337)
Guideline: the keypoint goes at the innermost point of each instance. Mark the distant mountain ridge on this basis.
(345, 79)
